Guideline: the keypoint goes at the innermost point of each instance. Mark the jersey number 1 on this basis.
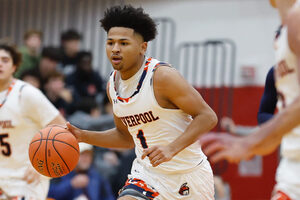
(142, 138)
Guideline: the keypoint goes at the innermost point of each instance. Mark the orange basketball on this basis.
(54, 151)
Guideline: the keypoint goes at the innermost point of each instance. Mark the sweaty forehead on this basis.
(123, 33)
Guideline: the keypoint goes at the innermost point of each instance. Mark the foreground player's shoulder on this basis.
(26, 90)
(167, 76)
(294, 29)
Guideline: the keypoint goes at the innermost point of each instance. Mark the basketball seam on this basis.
(38, 146)
(46, 138)
(59, 153)
(46, 151)
(63, 141)
(58, 141)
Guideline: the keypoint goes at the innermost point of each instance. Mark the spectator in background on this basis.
(70, 46)
(50, 58)
(84, 183)
(30, 51)
(85, 81)
(31, 76)
(57, 93)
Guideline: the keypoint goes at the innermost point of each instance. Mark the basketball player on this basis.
(284, 127)
(23, 111)
(156, 111)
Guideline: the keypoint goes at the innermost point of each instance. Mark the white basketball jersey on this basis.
(150, 124)
(287, 86)
(25, 111)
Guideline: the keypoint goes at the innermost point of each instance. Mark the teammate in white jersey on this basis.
(23, 111)
(284, 128)
(156, 111)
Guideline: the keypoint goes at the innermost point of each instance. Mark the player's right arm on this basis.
(118, 137)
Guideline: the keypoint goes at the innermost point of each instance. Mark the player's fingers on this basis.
(29, 177)
(153, 154)
(223, 155)
(70, 126)
(212, 148)
(155, 158)
(208, 138)
(147, 151)
(157, 162)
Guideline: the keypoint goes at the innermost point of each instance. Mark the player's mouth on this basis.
(116, 59)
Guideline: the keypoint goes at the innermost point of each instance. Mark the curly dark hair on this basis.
(14, 53)
(130, 17)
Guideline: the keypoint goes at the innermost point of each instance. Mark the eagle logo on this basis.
(184, 190)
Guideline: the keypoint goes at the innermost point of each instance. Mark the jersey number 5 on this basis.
(142, 138)
(7, 150)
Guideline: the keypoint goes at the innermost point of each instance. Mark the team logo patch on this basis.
(184, 190)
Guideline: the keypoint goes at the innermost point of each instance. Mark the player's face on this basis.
(124, 48)
(7, 67)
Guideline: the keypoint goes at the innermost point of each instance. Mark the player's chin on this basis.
(118, 66)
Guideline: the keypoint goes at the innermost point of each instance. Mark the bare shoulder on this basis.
(167, 76)
(294, 29)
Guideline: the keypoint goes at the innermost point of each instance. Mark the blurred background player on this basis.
(284, 127)
(156, 111)
(23, 111)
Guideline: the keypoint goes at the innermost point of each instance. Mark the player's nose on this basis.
(116, 48)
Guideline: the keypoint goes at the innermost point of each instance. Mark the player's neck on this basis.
(4, 84)
(133, 70)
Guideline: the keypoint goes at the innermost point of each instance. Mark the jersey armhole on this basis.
(20, 92)
(152, 88)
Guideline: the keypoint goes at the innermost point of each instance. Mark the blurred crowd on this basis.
(66, 75)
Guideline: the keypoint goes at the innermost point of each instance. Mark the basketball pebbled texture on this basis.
(54, 151)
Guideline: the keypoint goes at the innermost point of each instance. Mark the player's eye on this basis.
(5, 60)
(109, 43)
(124, 43)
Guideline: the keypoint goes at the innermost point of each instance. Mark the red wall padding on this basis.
(245, 106)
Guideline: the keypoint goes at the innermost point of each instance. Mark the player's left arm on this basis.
(38, 108)
(59, 119)
(170, 86)
(266, 139)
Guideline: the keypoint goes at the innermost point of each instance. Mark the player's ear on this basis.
(14, 68)
(144, 47)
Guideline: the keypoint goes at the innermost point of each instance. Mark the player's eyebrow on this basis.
(122, 39)
(5, 57)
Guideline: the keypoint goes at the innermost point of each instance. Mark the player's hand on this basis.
(158, 154)
(75, 131)
(80, 181)
(220, 146)
(31, 176)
